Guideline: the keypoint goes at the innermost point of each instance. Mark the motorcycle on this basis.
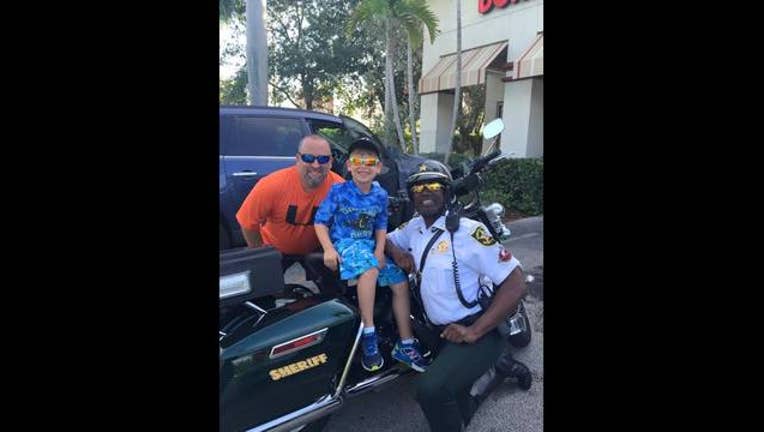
(469, 185)
(289, 355)
(516, 328)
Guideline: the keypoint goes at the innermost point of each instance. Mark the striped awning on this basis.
(475, 61)
(531, 61)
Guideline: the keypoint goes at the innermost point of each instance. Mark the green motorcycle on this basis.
(289, 355)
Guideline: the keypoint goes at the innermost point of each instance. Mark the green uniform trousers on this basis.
(443, 389)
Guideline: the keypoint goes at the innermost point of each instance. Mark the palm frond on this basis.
(226, 8)
(368, 13)
(412, 14)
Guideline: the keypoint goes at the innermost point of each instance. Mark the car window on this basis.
(334, 132)
(358, 130)
(225, 133)
(264, 136)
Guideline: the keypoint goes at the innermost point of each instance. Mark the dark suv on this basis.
(255, 141)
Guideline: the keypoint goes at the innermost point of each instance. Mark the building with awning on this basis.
(475, 63)
(503, 49)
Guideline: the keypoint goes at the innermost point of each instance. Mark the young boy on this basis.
(351, 224)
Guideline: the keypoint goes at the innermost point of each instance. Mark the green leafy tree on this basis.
(256, 48)
(364, 89)
(309, 55)
(234, 90)
(391, 15)
(471, 120)
(421, 16)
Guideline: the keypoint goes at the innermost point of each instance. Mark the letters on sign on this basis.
(485, 6)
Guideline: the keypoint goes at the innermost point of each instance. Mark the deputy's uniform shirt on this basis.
(477, 253)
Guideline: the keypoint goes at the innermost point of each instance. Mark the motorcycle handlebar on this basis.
(465, 184)
(472, 181)
(480, 163)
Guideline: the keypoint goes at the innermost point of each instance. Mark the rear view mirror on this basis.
(493, 128)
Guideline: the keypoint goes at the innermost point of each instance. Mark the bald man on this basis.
(279, 209)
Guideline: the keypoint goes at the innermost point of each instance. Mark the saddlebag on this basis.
(293, 358)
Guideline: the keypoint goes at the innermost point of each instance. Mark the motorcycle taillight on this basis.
(298, 344)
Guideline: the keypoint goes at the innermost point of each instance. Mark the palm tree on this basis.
(458, 84)
(422, 15)
(394, 14)
(257, 48)
(391, 100)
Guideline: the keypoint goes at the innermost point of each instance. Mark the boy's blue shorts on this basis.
(357, 257)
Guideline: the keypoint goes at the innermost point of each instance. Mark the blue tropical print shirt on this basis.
(351, 214)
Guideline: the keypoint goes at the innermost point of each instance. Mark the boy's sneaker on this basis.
(409, 354)
(371, 359)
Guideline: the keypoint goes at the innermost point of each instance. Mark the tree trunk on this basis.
(390, 79)
(388, 108)
(412, 96)
(257, 54)
(307, 91)
(458, 86)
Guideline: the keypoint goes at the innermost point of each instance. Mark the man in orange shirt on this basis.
(280, 208)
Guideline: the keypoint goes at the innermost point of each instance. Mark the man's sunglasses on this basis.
(432, 187)
(309, 158)
(369, 162)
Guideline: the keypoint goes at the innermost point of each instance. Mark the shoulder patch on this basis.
(483, 237)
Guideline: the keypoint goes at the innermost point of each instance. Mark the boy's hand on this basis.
(380, 256)
(331, 259)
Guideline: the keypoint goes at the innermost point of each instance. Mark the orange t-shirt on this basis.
(280, 209)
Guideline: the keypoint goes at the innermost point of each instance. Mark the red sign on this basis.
(485, 6)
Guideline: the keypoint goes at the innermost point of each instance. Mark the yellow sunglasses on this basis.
(432, 187)
(369, 162)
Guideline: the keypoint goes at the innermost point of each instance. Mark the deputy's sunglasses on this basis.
(309, 158)
(432, 187)
(369, 162)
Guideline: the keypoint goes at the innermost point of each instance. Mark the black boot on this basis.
(511, 368)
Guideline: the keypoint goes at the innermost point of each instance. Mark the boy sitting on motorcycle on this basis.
(351, 225)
